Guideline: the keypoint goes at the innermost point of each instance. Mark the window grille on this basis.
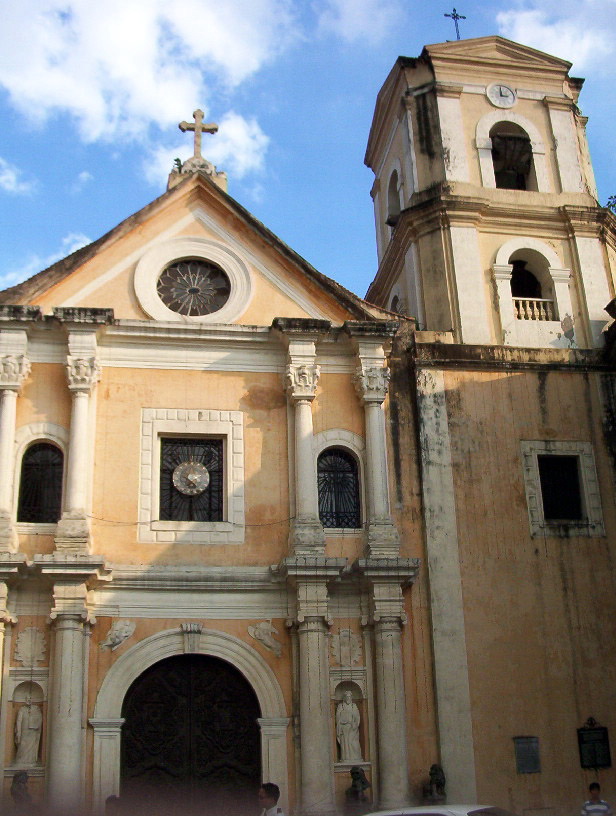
(40, 486)
(338, 483)
(204, 506)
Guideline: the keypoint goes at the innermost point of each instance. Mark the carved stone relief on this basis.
(14, 368)
(30, 646)
(119, 631)
(191, 630)
(346, 647)
(264, 632)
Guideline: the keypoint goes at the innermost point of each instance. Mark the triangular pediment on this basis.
(494, 50)
(196, 219)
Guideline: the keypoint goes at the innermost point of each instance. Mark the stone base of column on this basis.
(307, 537)
(9, 541)
(383, 540)
(73, 533)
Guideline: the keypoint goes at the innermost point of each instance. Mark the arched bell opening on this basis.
(512, 157)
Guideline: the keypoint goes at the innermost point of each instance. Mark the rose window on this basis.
(193, 287)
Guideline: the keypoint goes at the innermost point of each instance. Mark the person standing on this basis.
(268, 799)
(595, 805)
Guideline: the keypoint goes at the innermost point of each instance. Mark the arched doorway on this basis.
(190, 740)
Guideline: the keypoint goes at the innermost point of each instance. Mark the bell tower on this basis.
(485, 203)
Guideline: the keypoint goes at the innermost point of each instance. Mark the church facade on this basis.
(255, 528)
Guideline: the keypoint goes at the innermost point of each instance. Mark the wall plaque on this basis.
(594, 745)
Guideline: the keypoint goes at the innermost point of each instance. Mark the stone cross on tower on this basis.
(199, 127)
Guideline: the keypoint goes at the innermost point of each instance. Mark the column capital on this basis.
(311, 574)
(302, 380)
(14, 370)
(371, 383)
(83, 373)
(386, 578)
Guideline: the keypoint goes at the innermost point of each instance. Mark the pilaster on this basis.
(386, 577)
(310, 576)
(72, 575)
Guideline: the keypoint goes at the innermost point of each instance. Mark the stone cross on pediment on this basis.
(199, 127)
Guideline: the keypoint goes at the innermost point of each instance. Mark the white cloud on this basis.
(120, 66)
(581, 32)
(369, 20)
(11, 181)
(36, 263)
(80, 182)
(238, 148)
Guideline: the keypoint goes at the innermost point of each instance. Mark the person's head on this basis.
(348, 696)
(268, 795)
(595, 791)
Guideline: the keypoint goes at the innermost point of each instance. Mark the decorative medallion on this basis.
(191, 478)
(193, 287)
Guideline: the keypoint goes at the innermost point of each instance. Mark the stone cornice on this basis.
(505, 358)
(78, 314)
(10, 313)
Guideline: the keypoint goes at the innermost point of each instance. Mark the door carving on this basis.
(190, 741)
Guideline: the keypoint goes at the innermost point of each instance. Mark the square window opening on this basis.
(561, 489)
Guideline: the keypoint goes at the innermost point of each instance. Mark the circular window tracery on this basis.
(193, 287)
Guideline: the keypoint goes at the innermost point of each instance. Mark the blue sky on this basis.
(91, 94)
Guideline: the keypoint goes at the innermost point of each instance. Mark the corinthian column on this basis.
(73, 529)
(14, 369)
(301, 379)
(371, 383)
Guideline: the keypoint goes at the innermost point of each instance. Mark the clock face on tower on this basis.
(502, 96)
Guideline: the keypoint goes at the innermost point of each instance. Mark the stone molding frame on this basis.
(107, 720)
(483, 143)
(592, 525)
(157, 258)
(228, 425)
(339, 438)
(25, 436)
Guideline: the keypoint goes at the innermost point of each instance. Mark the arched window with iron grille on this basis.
(40, 485)
(338, 483)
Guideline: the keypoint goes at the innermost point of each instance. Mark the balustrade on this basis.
(534, 309)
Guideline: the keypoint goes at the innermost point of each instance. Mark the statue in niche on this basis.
(119, 631)
(30, 647)
(28, 726)
(264, 632)
(346, 647)
(355, 799)
(347, 729)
